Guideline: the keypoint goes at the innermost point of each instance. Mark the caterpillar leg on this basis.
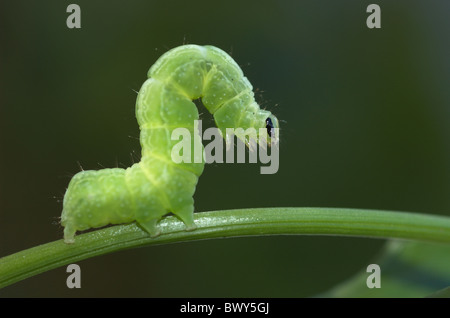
(186, 215)
(69, 234)
(151, 227)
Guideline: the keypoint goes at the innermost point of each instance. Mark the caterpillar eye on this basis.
(269, 126)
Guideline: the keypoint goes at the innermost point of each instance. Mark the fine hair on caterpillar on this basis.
(160, 183)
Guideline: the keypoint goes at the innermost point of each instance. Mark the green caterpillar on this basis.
(155, 186)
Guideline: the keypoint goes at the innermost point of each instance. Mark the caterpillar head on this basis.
(267, 129)
(257, 127)
(273, 129)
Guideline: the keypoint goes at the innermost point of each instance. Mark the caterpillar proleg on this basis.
(155, 186)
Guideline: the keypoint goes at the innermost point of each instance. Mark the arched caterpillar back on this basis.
(156, 185)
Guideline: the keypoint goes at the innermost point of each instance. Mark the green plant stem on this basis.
(223, 224)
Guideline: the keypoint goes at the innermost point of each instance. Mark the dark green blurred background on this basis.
(367, 125)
